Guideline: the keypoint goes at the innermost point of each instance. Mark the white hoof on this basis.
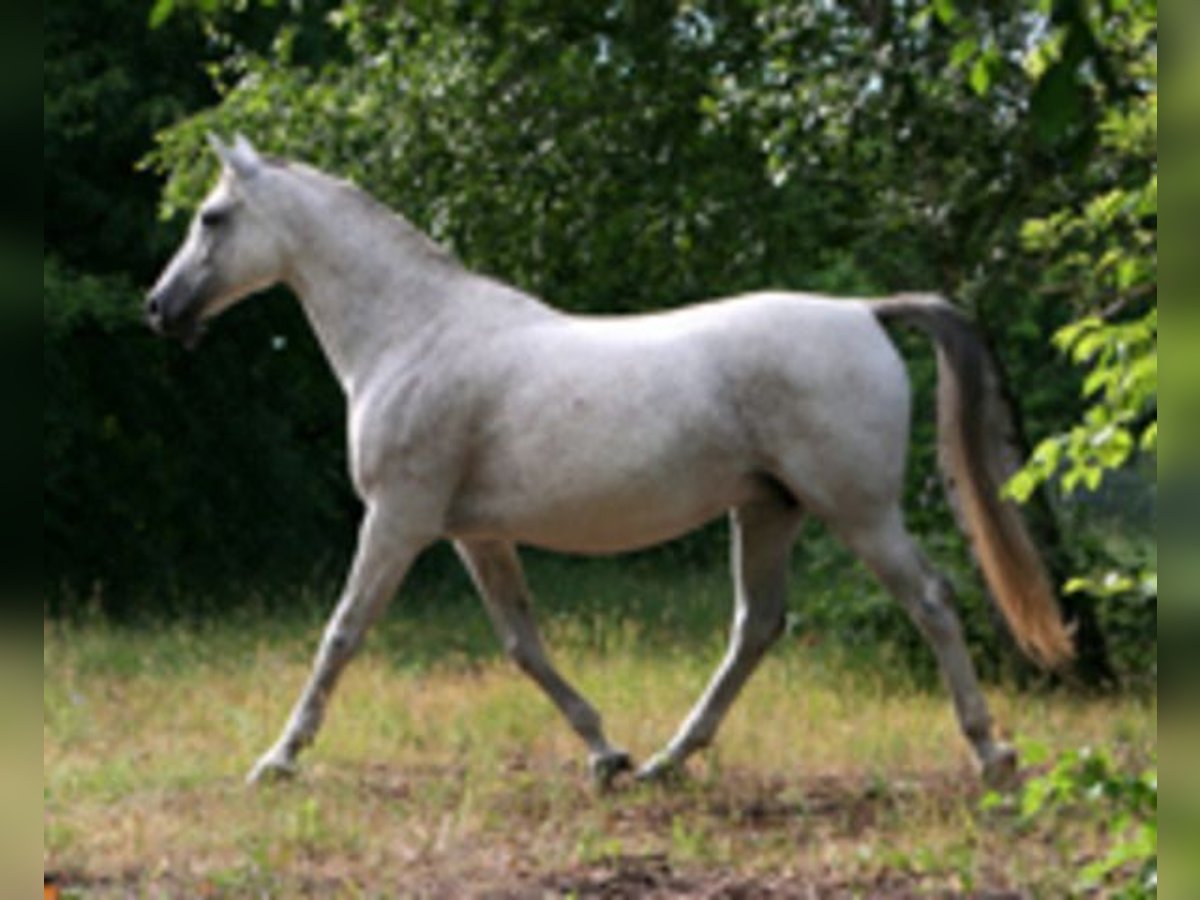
(271, 768)
(660, 769)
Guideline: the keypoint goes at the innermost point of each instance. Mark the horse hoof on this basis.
(660, 769)
(271, 770)
(605, 767)
(1000, 768)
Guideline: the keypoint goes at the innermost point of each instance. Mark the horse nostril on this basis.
(154, 313)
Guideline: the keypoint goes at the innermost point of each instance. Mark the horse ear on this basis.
(243, 158)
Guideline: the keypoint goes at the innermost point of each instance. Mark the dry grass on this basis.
(460, 780)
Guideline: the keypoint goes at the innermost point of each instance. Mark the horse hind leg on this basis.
(763, 534)
(888, 549)
(496, 571)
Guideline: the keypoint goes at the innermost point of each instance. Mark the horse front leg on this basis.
(384, 553)
(763, 534)
(496, 571)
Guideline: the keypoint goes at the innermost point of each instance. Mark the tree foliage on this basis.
(607, 157)
(1101, 252)
(1089, 783)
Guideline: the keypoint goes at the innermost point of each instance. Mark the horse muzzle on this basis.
(174, 316)
(155, 312)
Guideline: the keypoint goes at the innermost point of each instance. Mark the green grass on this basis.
(442, 771)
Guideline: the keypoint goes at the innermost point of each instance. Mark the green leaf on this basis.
(992, 800)
(1036, 233)
(1034, 798)
(962, 51)
(1129, 272)
(1148, 203)
(1047, 455)
(1034, 752)
(1149, 440)
(1066, 336)
(1098, 379)
(1045, 54)
(1116, 582)
(981, 76)
(946, 11)
(920, 19)
(1021, 486)
(1089, 345)
(160, 12)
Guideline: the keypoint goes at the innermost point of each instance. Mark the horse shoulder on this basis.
(407, 429)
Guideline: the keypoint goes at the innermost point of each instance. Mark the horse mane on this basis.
(386, 217)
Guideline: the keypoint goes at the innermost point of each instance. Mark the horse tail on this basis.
(971, 438)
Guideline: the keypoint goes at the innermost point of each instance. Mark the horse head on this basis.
(230, 251)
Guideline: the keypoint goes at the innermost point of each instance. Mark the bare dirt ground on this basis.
(750, 838)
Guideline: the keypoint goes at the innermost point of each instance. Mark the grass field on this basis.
(442, 772)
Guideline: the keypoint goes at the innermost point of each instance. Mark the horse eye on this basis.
(212, 218)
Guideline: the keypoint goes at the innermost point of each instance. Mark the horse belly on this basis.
(585, 503)
(604, 438)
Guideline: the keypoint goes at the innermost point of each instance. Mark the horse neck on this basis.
(375, 290)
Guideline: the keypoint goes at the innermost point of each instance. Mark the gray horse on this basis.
(479, 414)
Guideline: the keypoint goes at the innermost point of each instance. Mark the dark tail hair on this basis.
(970, 449)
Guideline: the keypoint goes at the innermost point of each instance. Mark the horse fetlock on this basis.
(273, 766)
(977, 724)
(662, 768)
(1000, 767)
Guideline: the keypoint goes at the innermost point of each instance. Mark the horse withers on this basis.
(481, 415)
